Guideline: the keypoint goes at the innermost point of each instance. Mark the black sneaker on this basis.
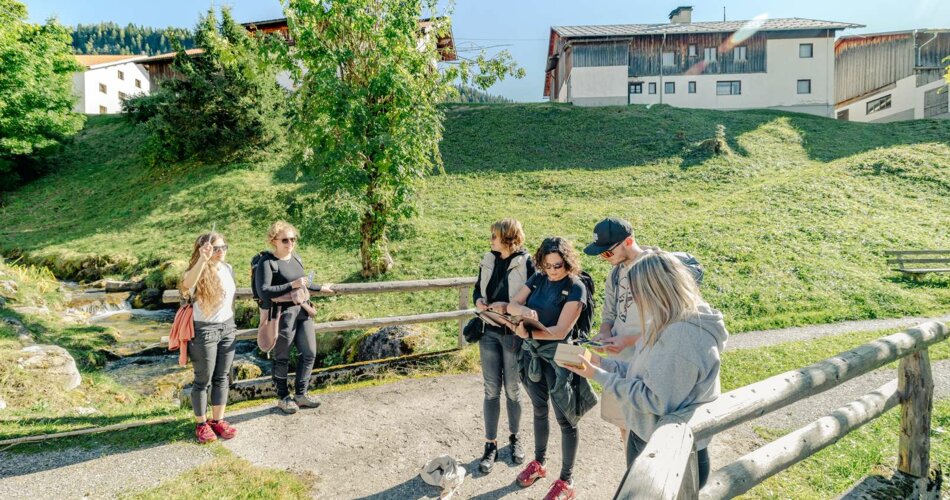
(488, 458)
(517, 450)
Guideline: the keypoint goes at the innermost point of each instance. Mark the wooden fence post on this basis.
(463, 304)
(915, 383)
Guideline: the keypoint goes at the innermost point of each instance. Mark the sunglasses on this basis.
(220, 248)
(287, 241)
(609, 252)
(559, 265)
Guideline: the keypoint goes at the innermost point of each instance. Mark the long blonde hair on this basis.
(209, 292)
(664, 291)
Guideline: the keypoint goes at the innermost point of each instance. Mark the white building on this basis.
(883, 77)
(775, 63)
(106, 80)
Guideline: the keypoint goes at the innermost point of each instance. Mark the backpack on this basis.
(692, 265)
(586, 319)
(256, 261)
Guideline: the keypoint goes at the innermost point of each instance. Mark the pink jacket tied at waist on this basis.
(183, 330)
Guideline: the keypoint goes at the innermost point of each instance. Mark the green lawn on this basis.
(791, 228)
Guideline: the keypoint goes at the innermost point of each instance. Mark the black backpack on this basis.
(271, 260)
(586, 320)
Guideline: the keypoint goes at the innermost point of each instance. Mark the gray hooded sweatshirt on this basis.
(680, 371)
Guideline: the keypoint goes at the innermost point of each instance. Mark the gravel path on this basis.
(372, 442)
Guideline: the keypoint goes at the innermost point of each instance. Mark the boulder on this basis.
(53, 362)
(388, 342)
(23, 333)
(244, 370)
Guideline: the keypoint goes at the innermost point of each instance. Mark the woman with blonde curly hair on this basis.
(285, 287)
(209, 284)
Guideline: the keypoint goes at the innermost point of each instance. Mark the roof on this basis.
(168, 56)
(781, 24)
(104, 59)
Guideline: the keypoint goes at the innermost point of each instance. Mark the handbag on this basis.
(267, 329)
(473, 330)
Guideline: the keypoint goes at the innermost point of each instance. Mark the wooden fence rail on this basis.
(661, 471)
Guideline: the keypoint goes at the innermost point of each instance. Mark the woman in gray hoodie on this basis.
(675, 364)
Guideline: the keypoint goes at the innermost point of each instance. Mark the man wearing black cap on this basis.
(620, 319)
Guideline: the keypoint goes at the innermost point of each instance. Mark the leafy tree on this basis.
(224, 104)
(36, 98)
(366, 114)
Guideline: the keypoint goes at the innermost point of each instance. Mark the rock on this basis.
(8, 287)
(388, 342)
(43, 311)
(123, 286)
(85, 410)
(52, 361)
(244, 370)
(24, 334)
(150, 298)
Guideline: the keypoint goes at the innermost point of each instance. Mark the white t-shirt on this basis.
(225, 311)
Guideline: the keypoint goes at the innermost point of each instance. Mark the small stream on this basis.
(140, 361)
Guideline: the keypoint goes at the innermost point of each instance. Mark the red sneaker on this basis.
(204, 433)
(561, 490)
(222, 428)
(531, 473)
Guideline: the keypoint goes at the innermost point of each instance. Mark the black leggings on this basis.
(539, 394)
(635, 446)
(295, 328)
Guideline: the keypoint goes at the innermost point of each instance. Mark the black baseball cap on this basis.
(608, 233)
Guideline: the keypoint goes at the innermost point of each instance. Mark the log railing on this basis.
(667, 466)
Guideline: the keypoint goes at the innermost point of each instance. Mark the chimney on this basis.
(682, 15)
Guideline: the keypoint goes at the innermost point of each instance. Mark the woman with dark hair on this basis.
(209, 283)
(555, 297)
(501, 275)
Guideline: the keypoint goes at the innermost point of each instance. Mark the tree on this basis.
(36, 97)
(366, 114)
(224, 104)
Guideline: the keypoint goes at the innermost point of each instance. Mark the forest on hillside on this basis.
(110, 38)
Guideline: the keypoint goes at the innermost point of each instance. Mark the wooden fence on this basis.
(667, 467)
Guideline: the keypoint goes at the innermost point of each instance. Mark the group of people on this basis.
(661, 343)
(209, 285)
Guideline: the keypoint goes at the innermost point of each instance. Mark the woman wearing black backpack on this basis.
(501, 275)
(282, 284)
(556, 297)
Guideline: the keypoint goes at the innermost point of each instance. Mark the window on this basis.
(729, 88)
(669, 59)
(739, 54)
(138, 83)
(123, 96)
(843, 115)
(804, 86)
(102, 110)
(121, 75)
(805, 50)
(103, 89)
(636, 88)
(709, 54)
(691, 87)
(652, 87)
(669, 87)
(691, 51)
(879, 104)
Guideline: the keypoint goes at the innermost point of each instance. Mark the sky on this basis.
(522, 26)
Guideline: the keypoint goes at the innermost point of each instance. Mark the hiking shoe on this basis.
(307, 401)
(204, 433)
(287, 405)
(222, 428)
(488, 458)
(531, 473)
(517, 450)
(561, 490)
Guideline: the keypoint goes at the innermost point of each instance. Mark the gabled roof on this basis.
(781, 24)
(168, 56)
(102, 60)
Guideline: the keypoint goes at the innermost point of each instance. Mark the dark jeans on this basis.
(211, 353)
(539, 394)
(499, 353)
(295, 328)
(635, 446)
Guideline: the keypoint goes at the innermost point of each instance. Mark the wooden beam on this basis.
(667, 466)
(760, 398)
(740, 476)
(916, 384)
(90, 430)
(172, 296)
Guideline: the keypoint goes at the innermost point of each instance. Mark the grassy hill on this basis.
(791, 228)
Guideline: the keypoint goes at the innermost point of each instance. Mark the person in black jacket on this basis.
(283, 283)
(501, 275)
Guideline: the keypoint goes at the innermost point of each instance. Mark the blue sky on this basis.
(522, 26)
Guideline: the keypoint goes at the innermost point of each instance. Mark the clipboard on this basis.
(500, 319)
